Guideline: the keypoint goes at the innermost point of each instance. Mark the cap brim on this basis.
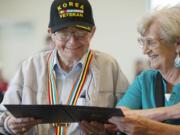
(80, 25)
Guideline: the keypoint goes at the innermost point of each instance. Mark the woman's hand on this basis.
(132, 124)
(21, 125)
(127, 111)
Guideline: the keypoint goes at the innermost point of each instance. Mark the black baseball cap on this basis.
(66, 13)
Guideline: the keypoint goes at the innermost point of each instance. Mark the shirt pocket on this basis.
(83, 102)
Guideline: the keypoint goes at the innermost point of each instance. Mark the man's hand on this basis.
(21, 125)
(95, 128)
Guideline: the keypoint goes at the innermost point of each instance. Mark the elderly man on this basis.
(71, 74)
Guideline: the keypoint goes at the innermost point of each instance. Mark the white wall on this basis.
(116, 30)
(116, 34)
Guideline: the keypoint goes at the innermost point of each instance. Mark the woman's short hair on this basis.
(168, 19)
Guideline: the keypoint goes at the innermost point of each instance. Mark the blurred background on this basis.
(24, 23)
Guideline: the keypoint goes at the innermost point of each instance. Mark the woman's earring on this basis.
(177, 60)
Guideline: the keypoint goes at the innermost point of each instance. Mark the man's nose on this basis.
(72, 38)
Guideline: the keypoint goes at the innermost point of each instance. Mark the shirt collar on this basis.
(76, 68)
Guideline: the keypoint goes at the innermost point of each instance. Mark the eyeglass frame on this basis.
(65, 35)
(149, 41)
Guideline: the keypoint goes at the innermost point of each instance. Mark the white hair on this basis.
(168, 19)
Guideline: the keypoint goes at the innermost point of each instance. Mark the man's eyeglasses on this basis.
(65, 35)
(150, 42)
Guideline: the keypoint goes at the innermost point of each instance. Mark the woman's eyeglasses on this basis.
(149, 42)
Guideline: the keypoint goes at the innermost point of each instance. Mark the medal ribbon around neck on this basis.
(76, 88)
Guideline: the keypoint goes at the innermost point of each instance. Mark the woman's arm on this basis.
(138, 125)
(158, 114)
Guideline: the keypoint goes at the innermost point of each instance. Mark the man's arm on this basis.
(12, 96)
(120, 81)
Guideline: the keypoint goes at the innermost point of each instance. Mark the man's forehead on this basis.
(71, 28)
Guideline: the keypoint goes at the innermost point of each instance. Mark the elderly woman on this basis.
(160, 86)
(160, 41)
(153, 89)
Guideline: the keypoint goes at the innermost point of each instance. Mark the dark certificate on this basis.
(64, 113)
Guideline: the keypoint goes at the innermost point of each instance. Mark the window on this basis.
(161, 3)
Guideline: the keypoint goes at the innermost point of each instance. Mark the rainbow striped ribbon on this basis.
(76, 88)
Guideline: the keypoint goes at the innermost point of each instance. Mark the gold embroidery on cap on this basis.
(59, 8)
(83, 27)
(71, 4)
(71, 9)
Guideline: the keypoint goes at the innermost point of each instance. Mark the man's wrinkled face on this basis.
(72, 43)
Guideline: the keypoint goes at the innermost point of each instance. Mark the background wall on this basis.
(23, 27)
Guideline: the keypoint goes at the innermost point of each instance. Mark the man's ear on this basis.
(51, 34)
(49, 31)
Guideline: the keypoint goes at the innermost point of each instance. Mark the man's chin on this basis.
(75, 57)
